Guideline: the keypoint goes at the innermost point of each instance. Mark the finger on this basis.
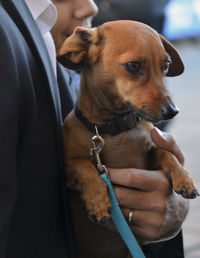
(144, 234)
(146, 180)
(167, 141)
(135, 199)
(146, 225)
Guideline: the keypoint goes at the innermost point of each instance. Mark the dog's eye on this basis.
(166, 67)
(133, 67)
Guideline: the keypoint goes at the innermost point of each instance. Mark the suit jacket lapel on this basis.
(68, 93)
(24, 20)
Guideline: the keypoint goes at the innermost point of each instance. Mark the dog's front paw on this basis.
(97, 202)
(182, 183)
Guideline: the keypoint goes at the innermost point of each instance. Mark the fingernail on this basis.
(161, 133)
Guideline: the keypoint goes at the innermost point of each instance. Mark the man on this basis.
(34, 213)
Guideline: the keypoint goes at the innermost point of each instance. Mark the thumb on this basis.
(167, 141)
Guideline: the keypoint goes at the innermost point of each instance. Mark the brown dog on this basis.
(122, 92)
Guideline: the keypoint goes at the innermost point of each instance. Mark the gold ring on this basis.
(130, 216)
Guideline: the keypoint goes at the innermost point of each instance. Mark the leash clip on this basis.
(97, 146)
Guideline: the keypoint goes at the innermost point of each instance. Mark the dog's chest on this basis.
(128, 149)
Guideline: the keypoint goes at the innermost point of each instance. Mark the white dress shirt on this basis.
(45, 15)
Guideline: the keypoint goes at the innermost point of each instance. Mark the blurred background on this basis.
(179, 22)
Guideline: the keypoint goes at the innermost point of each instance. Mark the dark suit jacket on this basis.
(34, 214)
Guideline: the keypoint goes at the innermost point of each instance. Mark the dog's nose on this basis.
(168, 111)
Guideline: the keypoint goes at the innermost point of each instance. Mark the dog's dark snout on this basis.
(168, 111)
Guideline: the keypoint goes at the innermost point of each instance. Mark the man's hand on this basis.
(158, 212)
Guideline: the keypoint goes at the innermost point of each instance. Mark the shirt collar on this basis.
(44, 13)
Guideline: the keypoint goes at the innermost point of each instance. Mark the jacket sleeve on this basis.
(172, 248)
(9, 99)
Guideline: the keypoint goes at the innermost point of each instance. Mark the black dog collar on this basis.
(127, 121)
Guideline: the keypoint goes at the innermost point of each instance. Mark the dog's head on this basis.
(126, 63)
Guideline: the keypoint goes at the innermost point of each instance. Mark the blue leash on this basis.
(121, 223)
(116, 215)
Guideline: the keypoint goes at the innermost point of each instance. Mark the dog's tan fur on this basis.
(107, 91)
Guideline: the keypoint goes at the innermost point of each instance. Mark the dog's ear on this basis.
(80, 48)
(177, 66)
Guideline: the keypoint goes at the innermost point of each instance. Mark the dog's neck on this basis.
(99, 107)
(95, 111)
(127, 121)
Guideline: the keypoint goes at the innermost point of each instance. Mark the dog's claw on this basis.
(183, 190)
(110, 210)
(178, 192)
(186, 195)
(169, 179)
(104, 220)
(196, 192)
(93, 218)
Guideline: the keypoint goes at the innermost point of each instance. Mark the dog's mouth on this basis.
(142, 115)
(147, 117)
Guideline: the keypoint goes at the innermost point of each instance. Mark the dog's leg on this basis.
(94, 190)
(180, 179)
